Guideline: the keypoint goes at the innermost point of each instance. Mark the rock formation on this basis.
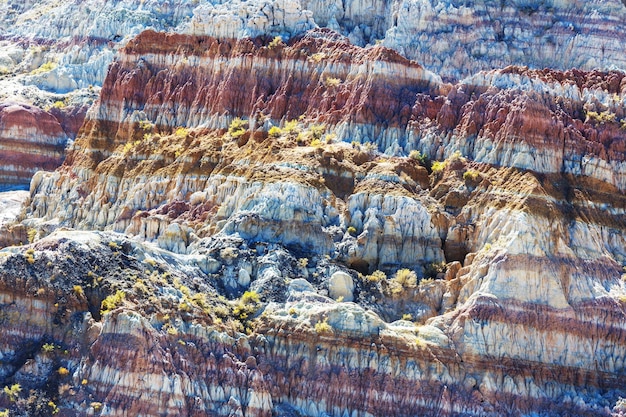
(58, 51)
(226, 236)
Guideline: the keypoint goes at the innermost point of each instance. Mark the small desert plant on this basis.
(275, 132)
(438, 166)
(317, 57)
(419, 157)
(317, 130)
(181, 132)
(471, 175)
(45, 67)
(78, 290)
(30, 256)
(376, 276)
(352, 231)
(247, 305)
(403, 279)
(316, 143)
(332, 82)
(277, 41)
(435, 268)
(47, 347)
(32, 233)
(13, 391)
(322, 326)
(601, 117)
(237, 127)
(111, 302)
(146, 125)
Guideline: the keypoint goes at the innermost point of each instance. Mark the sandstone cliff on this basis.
(225, 236)
(55, 52)
(241, 245)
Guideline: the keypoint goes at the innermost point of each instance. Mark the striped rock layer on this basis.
(528, 316)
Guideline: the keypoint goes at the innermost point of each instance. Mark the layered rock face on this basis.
(460, 38)
(30, 140)
(54, 51)
(258, 288)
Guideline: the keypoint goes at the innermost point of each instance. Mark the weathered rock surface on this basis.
(55, 51)
(250, 263)
(460, 38)
(30, 140)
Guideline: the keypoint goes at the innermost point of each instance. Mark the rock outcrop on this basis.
(225, 238)
(460, 38)
(58, 51)
(30, 140)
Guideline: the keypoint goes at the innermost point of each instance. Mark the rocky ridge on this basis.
(55, 54)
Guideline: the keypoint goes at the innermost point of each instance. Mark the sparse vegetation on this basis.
(317, 57)
(419, 157)
(376, 276)
(316, 143)
(438, 166)
(45, 67)
(237, 127)
(111, 302)
(13, 391)
(404, 279)
(332, 82)
(181, 132)
(275, 132)
(322, 326)
(317, 130)
(407, 317)
(303, 262)
(601, 117)
(47, 347)
(247, 306)
(53, 407)
(146, 125)
(78, 290)
(30, 256)
(471, 175)
(435, 268)
(59, 104)
(31, 233)
(352, 231)
(63, 371)
(277, 41)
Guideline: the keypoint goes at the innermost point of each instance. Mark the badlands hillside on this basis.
(312, 208)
